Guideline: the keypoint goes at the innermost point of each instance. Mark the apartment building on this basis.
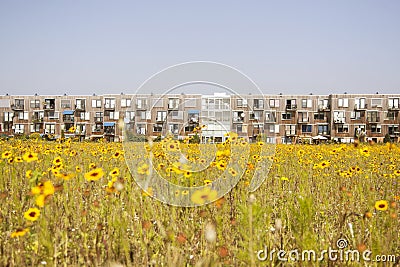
(280, 118)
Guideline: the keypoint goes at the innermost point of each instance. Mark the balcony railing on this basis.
(80, 107)
(109, 107)
(339, 120)
(238, 119)
(291, 107)
(323, 108)
(49, 106)
(393, 107)
(17, 107)
(373, 119)
(173, 106)
(304, 120)
(360, 107)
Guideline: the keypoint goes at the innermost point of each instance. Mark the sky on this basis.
(289, 47)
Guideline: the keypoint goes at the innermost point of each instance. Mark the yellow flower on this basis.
(32, 214)
(57, 161)
(6, 155)
(28, 174)
(143, 169)
(284, 179)
(148, 192)
(204, 195)
(114, 172)
(72, 129)
(117, 154)
(39, 201)
(92, 166)
(94, 175)
(18, 159)
(48, 188)
(221, 165)
(30, 156)
(65, 176)
(19, 232)
(232, 171)
(207, 182)
(78, 169)
(381, 205)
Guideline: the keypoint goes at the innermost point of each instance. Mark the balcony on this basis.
(339, 120)
(98, 119)
(373, 119)
(173, 106)
(49, 106)
(68, 119)
(160, 119)
(109, 107)
(303, 120)
(97, 131)
(360, 107)
(393, 108)
(17, 107)
(323, 108)
(291, 107)
(141, 107)
(238, 119)
(290, 133)
(109, 131)
(37, 120)
(80, 107)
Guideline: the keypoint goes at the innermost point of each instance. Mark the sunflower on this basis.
(381, 205)
(19, 232)
(144, 169)
(32, 214)
(40, 200)
(78, 169)
(207, 182)
(72, 153)
(114, 172)
(65, 176)
(221, 165)
(57, 161)
(94, 175)
(396, 172)
(28, 174)
(18, 159)
(204, 195)
(30, 156)
(187, 174)
(232, 171)
(117, 154)
(92, 165)
(72, 129)
(6, 155)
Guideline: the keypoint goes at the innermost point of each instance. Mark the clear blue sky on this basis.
(85, 47)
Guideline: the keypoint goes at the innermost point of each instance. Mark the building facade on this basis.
(280, 118)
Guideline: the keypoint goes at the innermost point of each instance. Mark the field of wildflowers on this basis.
(76, 203)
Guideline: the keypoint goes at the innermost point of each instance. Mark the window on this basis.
(390, 115)
(360, 103)
(319, 116)
(19, 103)
(291, 104)
(53, 115)
(238, 116)
(173, 128)
(96, 103)
(126, 102)
(141, 103)
(355, 115)
(173, 103)
(338, 117)
(259, 103)
(376, 128)
(393, 102)
(157, 127)
(130, 115)
(19, 128)
(286, 116)
(393, 129)
(241, 102)
(65, 103)
(343, 102)
(273, 128)
(290, 129)
(80, 103)
(85, 116)
(114, 115)
(35, 128)
(359, 128)
(342, 128)
(373, 116)
(323, 104)
(255, 115)
(306, 128)
(109, 103)
(306, 103)
(161, 116)
(303, 117)
(274, 103)
(8, 116)
(141, 129)
(50, 129)
(323, 129)
(35, 103)
(376, 102)
(269, 116)
(98, 116)
(23, 115)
